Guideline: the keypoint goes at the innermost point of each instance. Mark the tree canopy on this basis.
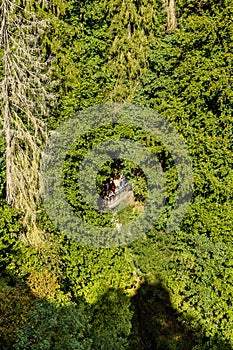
(163, 290)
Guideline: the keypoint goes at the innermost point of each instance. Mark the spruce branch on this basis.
(25, 102)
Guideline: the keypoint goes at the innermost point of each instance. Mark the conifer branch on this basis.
(25, 102)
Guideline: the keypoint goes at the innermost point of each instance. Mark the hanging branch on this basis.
(25, 102)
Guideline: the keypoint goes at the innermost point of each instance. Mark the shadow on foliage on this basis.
(146, 321)
(30, 323)
(16, 300)
(160, 327)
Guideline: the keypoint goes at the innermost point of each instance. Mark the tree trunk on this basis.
(170, 6)
(6, 106)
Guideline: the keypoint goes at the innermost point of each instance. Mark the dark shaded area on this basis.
(103, 325)
(16, 300)
(30, 322)
(160, 327)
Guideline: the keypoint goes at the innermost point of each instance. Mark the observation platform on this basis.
(123, 194)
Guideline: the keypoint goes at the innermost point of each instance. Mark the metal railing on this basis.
(116, 197)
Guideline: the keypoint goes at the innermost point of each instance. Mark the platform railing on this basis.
(119, 193)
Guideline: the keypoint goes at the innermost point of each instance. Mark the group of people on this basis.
(111, 186)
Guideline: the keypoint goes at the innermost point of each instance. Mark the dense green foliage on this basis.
(164, 291)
